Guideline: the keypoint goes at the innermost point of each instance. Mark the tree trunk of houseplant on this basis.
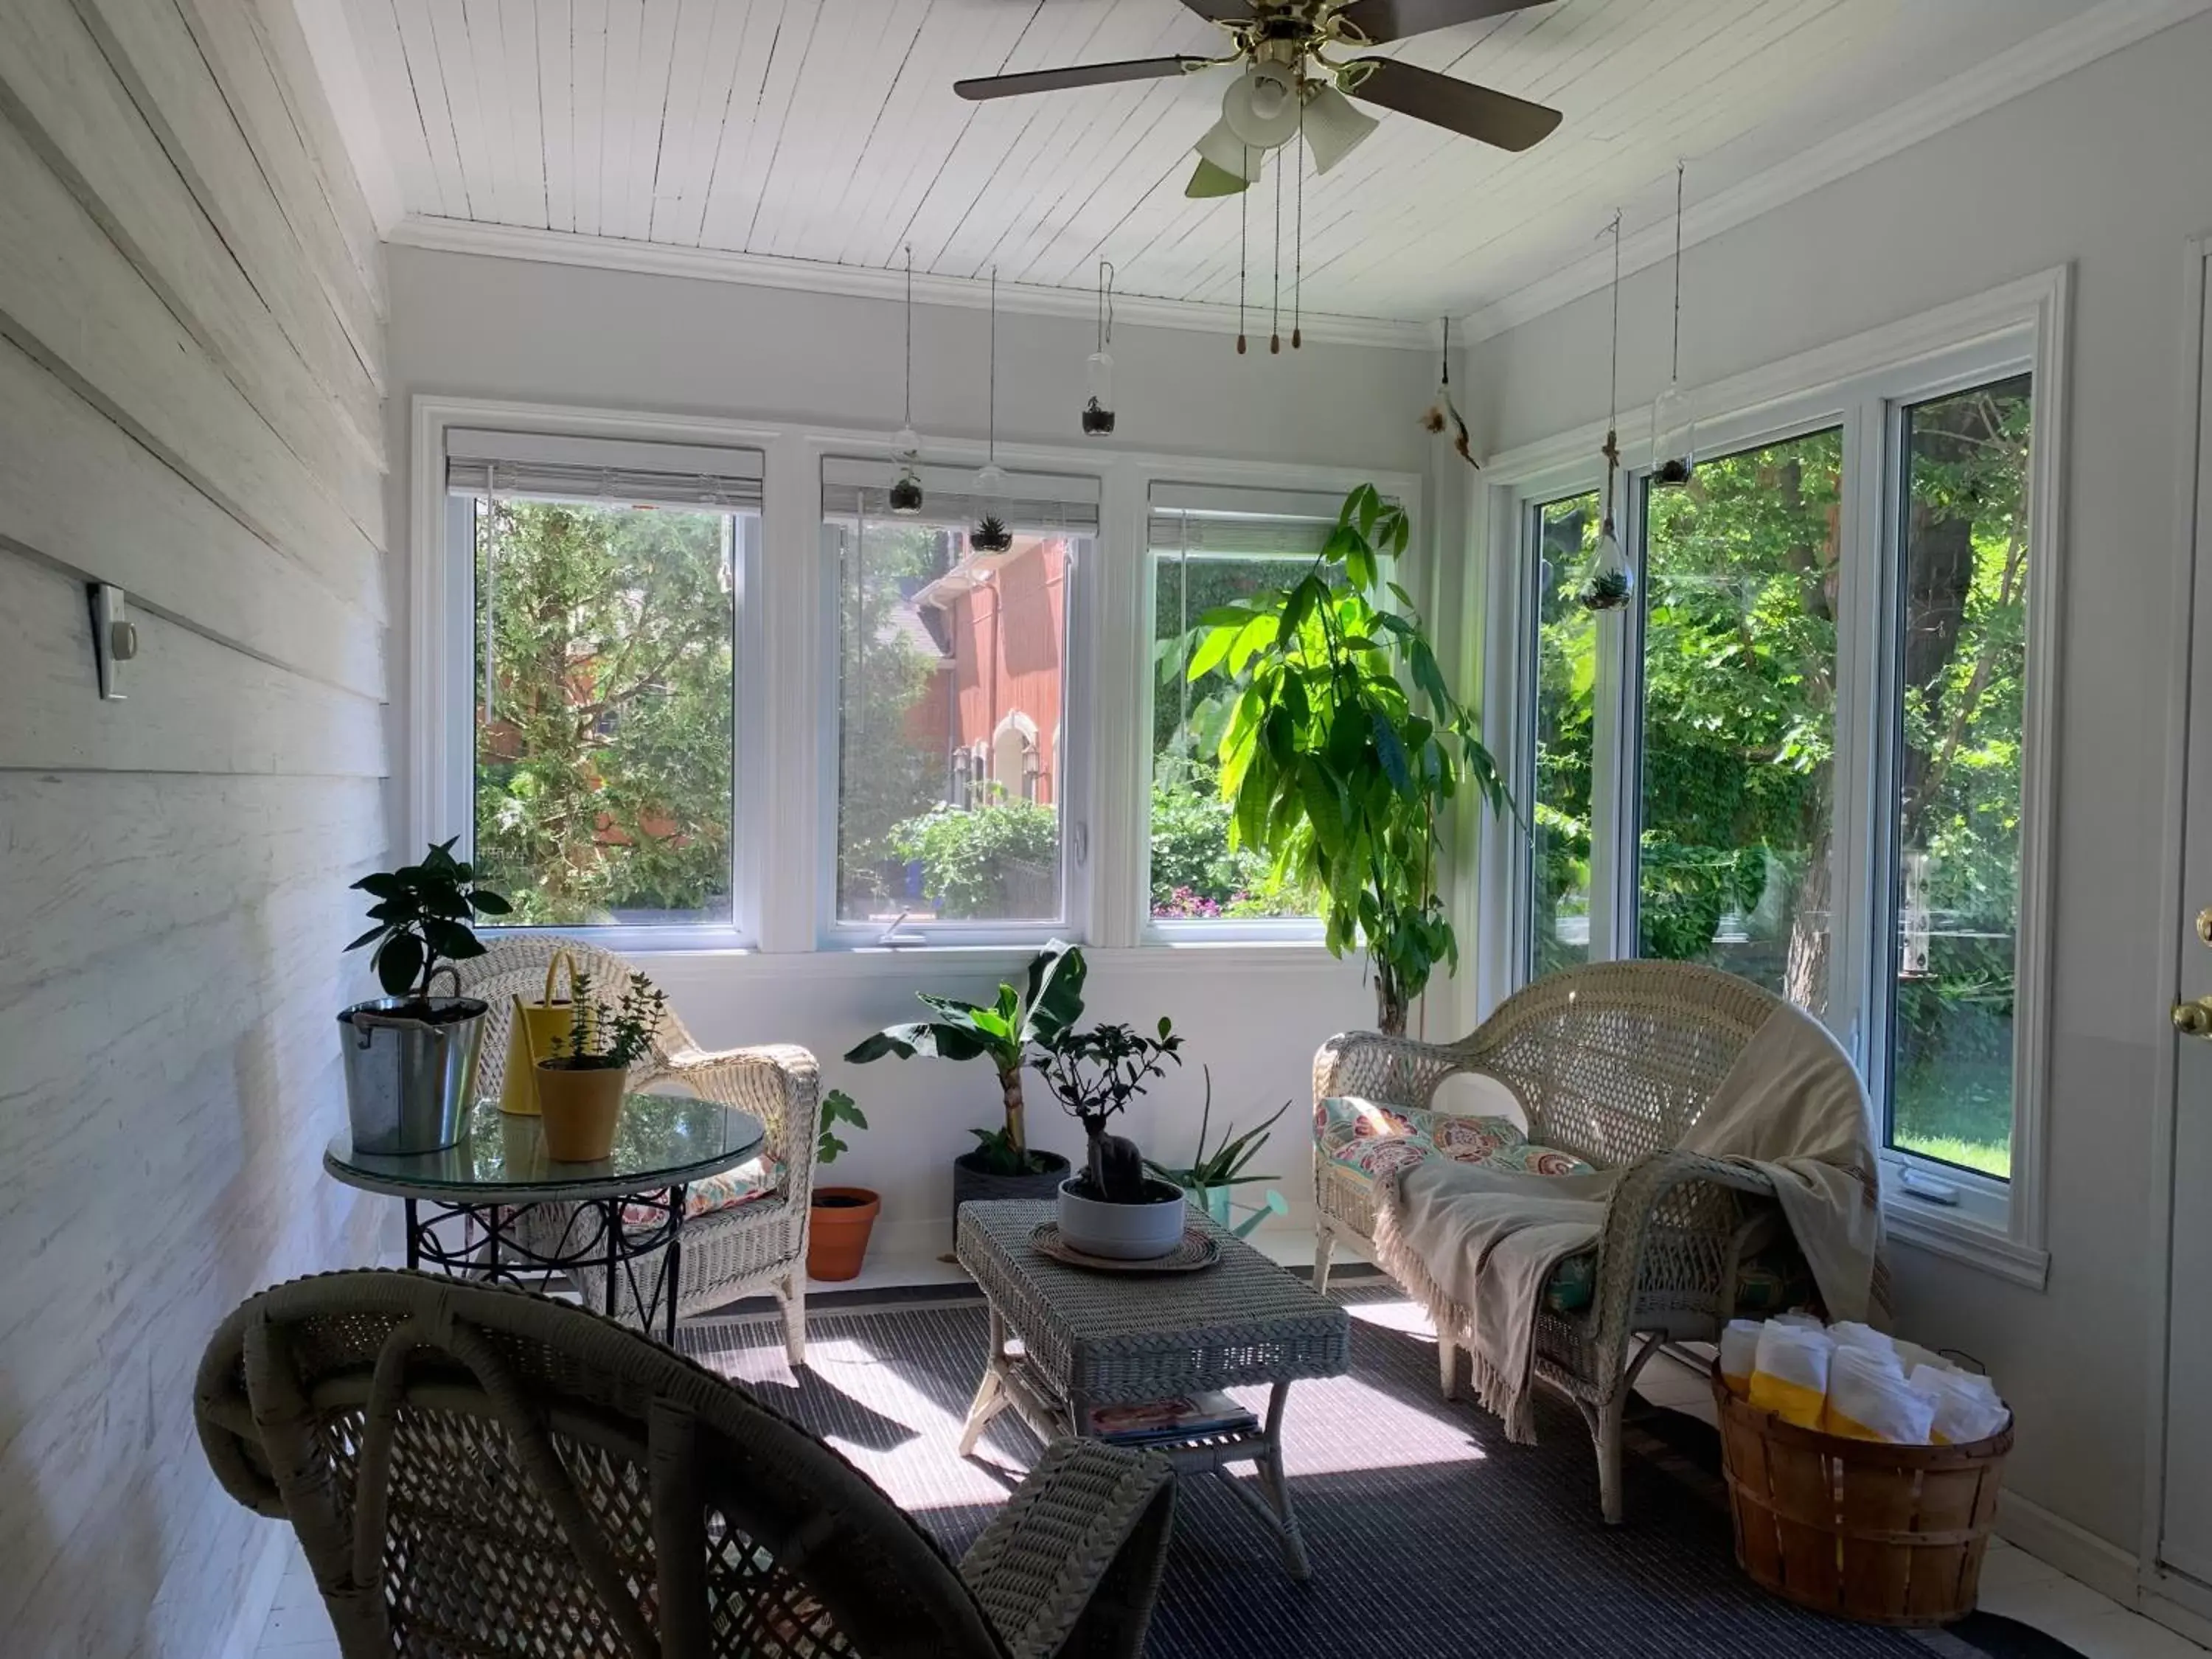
(1009, 1087)
(1389, 1000)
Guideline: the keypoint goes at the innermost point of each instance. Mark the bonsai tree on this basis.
(1097, 1074)
(604, 1039)
(1004, 1032)
(421, 914)
(1341, 747)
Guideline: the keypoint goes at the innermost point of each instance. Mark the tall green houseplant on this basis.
(1343, 748)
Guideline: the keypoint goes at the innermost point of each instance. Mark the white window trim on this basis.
(1862, 383)
(441, 609)
(1195, 489)
(779, 759)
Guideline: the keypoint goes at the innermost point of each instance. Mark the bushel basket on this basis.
(1884, 1533)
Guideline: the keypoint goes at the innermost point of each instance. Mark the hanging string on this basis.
(909, 421)
(992, 438)
(1275, 312)
(1674, 368)
(1298, 241)
(1243, 220)
(1105, 304)
(1613, 396)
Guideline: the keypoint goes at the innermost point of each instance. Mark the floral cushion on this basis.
(1370, 1140)
(755, 1178)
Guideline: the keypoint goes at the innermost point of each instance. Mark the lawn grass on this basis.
(1959, 1111)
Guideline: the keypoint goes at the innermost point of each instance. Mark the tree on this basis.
(603, 758)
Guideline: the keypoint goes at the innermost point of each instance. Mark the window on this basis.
(1565, 689)
(1241, 544)
(603, 583)
(1961, 665)
(952, 771)
(1813, 750)
(1735, 832)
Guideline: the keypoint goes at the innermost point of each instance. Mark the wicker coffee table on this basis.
(1092, 1338)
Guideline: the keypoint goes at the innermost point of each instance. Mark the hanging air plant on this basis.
(906, 489)
(1098, 373)
(990, 534)
(1612, 579)
(1674, 433)
(1442, 415)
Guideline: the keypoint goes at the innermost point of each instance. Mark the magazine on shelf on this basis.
(1183, 1417)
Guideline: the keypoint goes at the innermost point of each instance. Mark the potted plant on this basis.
(410, 1057)
(1342, 747)
(1050, 1001)
(837, 1235)
(1210, 1178)
(1113, 1208)
(579, 1089)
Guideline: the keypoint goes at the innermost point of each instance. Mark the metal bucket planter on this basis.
(409, 1082)
(971, 1180)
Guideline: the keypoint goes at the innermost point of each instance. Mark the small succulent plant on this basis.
(991, 535)
(1097, 419)
(1606, 590)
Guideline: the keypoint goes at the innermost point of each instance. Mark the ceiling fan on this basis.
(1280, 44)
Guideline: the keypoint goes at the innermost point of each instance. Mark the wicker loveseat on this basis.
(757, 1242)
(475, 1470)
(1611, 1063)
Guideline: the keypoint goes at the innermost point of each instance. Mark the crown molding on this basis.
(562, 247)
(2058, 51)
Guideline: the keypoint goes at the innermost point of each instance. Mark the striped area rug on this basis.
(1430, 1534)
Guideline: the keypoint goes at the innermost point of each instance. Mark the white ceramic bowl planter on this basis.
(1125, 1232)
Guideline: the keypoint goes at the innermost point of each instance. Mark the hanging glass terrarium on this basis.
(990, 533)
(1098, 372)
(1611, 582)
(1674, 432)
(906, 489)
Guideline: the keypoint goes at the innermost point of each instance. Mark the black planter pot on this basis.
(971, 1180)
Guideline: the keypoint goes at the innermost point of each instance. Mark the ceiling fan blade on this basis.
(1494, 118)
(1082, 75)
(1393, 19)
(1222, 11)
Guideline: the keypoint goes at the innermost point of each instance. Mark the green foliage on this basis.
(1337, 767)
(421, 914)
(603, 760)
(611, 1037)
(886, 776)
(1224, 1165)
(1004, 1032)
(838, 1108)
(989, 860)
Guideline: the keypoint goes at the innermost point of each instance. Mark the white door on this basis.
(2185, 1543)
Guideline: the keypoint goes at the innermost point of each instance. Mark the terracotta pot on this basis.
(580, 1107)
(837, 1237)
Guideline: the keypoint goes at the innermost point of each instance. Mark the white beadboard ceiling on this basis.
(827, 131)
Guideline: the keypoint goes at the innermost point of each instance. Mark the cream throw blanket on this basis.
(1478, 1245)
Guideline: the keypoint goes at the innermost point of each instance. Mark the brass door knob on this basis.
(2204, 924)
(2194, 1019)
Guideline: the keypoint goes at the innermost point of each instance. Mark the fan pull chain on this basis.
(1244, 221)
(1298, 243)
(1275, 313)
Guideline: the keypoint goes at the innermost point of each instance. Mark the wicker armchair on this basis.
(474, 1471)
(1612, 1062)
(727, 1253)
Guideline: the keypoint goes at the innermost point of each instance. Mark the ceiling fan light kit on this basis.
(1273, 99)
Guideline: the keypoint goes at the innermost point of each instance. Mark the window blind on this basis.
(1229, 522)
(1033, 501)
(543, 467)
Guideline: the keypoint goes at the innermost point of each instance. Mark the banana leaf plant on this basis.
(1004, 1032)
(1341, 747)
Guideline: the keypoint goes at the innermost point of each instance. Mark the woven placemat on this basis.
(1199, 1250)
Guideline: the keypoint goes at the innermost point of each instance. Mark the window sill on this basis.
(1959, 1234)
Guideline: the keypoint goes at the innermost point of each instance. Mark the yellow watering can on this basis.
(537, 1031)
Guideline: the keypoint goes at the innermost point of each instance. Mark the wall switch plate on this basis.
(114, 637)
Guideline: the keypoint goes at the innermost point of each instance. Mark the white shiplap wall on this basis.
(192, 345)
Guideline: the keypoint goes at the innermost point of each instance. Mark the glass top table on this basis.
(523, 1216)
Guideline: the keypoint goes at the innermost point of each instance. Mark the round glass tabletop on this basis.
(662, 1141)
